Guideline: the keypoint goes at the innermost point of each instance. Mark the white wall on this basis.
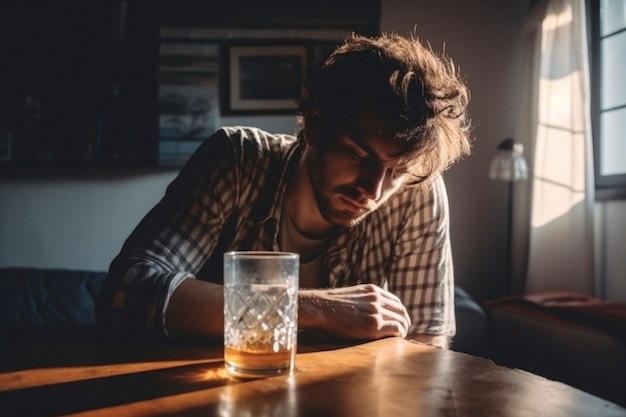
(610, 240)
(81, 223)
(73, 223)
(484, 40)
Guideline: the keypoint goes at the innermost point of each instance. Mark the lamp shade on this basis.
(509, 164)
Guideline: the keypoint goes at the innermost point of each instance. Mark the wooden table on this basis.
(389, 377)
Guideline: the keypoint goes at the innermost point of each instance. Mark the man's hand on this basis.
(363, 311)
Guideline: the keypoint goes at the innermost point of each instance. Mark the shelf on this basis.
(18, 171)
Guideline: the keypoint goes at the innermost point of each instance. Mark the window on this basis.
(608, 51)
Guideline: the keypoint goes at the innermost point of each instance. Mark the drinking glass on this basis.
(260, 312)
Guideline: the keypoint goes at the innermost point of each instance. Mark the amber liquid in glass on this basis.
(257, 361)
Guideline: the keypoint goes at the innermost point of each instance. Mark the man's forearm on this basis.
(196, 309)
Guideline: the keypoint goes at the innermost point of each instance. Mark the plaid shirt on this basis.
(229, 196)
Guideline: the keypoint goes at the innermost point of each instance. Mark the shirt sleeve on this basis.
(422, 272)
(172, 242)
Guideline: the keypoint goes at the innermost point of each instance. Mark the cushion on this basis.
(569, 308)
(32, 296)
(572, 338)
(472, 326)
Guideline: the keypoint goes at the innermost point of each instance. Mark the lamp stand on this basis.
(509, 239)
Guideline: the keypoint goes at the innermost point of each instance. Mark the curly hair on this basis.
(416, 92)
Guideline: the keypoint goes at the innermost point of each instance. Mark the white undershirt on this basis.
(310, 251)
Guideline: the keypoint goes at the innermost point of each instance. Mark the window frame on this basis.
(607, 187)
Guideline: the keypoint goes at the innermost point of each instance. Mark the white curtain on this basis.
(556, 125)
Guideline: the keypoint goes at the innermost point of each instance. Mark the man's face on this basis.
(357, 171)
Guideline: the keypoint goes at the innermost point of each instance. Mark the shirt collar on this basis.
(283, 167)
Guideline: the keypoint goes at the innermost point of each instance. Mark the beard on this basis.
(329, 205)
(328, 197)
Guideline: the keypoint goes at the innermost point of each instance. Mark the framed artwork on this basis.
(6, 140)
(261, 79)
(188, 99)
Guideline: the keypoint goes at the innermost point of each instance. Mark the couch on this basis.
(48, 306)
(569, 337)
(58, 305)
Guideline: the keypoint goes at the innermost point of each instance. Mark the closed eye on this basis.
(358, 156)
(356, 153)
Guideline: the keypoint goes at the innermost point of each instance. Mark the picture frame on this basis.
(6, 142)
(261, 79)
(188, 99)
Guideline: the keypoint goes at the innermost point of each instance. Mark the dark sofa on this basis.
(569, 337)
(37, 297)
(59, 304)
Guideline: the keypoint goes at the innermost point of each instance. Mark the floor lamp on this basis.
(509, 165)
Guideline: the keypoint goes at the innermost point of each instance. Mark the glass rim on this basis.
(259, 254)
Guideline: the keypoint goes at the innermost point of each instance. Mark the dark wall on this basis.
(72, 76)
(79, 79)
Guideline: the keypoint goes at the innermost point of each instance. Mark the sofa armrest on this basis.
(472, 327)
(35, 297)
(573, 338)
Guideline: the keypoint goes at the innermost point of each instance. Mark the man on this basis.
(358, 194)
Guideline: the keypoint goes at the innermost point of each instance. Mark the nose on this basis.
(371, 181)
